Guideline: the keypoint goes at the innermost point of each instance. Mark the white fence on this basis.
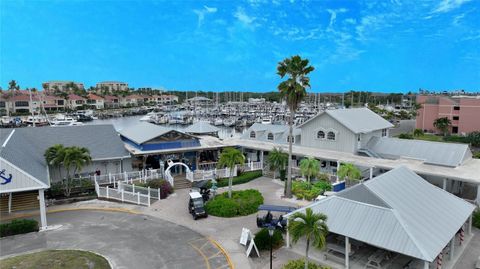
(127, 177)
(198, 174)
(128, 193)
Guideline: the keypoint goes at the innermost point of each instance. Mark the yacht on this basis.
(229, 122)
(62, 123)
(266, 120)
(218, 122)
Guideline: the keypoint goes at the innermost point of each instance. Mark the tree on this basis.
(310, 167)
(294, 91)
(348, 171)
(277, 159)
(229, 158)
(68, 157)
(311, 226)
(13, 86)
(442, 124)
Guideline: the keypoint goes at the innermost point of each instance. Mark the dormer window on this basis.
(253, 135)
(321, 135)
(270, 136)
(331, 136)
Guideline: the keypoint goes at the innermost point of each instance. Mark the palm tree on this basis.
(229, 158)
(310, 167)
(348, 171)
(54, 156)
(13, 86)
(442, 124)
(311, 226)
(277, 159)
(294, 91)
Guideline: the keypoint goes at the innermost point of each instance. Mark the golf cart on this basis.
(269, 219)
(196, 206)
(201, 187)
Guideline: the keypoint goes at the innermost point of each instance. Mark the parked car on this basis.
(196, 206)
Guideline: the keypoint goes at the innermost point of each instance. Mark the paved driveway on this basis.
(127, 240)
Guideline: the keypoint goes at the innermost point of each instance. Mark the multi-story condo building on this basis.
(95, 101)
(112, 86)
(463, 112)
(111, 101)
(75, 101)
(61, 85)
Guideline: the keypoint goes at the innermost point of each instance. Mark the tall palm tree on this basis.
(294, 91)
(277, 159)
(348, 171)
(13, 86)
(310, 167)
(442, 124)
(311, 226)
(229, 158)
(54, 156)
(76, 158)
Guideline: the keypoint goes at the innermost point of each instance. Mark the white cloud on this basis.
(333, 15)
(448, 5)
(243, 17)
(202, 12)
(350, 21)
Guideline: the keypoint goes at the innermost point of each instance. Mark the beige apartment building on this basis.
(112, 86)
(61, 85)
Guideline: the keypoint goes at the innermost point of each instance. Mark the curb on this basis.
(116, 209)
(227, 256)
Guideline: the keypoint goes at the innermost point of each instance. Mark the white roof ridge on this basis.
(362, 203)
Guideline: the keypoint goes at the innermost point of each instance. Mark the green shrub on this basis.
(240, 179)
(300, 264)
(79, 187)
(165, 187)
(456, 139)
(242, 203)
(474, 138)
(283, 175)
(309, 191)
(476, 219)
(405, 136)
(20, 226)
(476, 155)
(262, 239)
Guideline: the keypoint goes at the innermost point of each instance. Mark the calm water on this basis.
(125, 122)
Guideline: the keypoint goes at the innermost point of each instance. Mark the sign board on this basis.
(251, 246)
(245, 236)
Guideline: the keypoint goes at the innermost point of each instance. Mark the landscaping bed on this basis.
(165, 187)
(56, 259)
(262, 239)
(244, 177)
(310, 191)
(242, 203)
(300, 264)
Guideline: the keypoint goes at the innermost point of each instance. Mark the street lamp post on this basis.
(271, 229)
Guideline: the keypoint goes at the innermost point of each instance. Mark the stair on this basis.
(20, 201)
(369, 153)
(180, 182)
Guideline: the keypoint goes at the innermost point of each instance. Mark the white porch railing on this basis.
(127, 177)
(122, 195)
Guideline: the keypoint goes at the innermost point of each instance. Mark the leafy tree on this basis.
(310, 167)
(229, 158)
(277, 159)
(294, 91)
(13, 86)
(442, 124)
(311, 226)
(70, 158)
(348, 171)
(418, 132)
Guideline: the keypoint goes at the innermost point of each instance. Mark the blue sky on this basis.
(386, 45)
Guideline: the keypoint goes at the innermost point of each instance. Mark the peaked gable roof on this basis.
(201, 127)
(357, 120)
(144, 131)
(407, 214)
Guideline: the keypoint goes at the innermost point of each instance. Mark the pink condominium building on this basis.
(463, 112)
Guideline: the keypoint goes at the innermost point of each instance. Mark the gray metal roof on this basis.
(438, 153)
(201, 127)
(358, 120)
(143, 132)
(26, 146)
(418, 219)
(280, 133)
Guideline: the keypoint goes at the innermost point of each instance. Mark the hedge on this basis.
(242, 203)
(79, 187)
(242, 178)
(309, 191)
(262, 239)
(300, 264)
(20, 226)
(476, 218)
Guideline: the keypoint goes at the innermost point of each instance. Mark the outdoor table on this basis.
(338, 249)
(375, 260)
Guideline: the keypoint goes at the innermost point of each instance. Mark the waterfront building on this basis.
(199, 101)
(202, 128)
(463, 112)
(61, 85)
(95, 101)
(165, 99)
(111, 86)
(111, 101)
(75, 101)
(22, 157)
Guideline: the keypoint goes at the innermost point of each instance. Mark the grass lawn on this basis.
(430, 137)
(56, 259)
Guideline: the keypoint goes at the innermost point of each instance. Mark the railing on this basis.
(152, 193)
(122, 195)
(127, 177)
(199, 175)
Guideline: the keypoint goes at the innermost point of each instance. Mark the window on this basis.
(292, 138)
(331, 136)
(455, 130)
(21, 103)
(384, 132)
(321, 135)
(60, 102)
(252, 134)
(270, 136)
(455, 117)
(456, 108)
